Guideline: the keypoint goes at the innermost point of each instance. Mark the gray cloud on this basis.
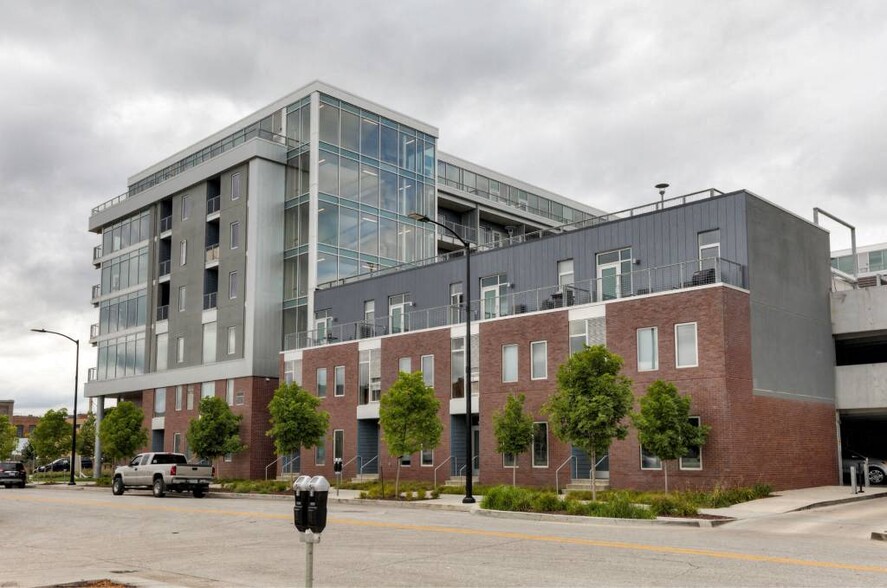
(597, 101)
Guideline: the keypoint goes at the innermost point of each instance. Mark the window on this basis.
(709, 248)
(428, 370)
(229, 392)
(509, 363)
(183, 291)
(648, 349)
(427, 458)
(540, 445)
(190, 404)
(183, 252)
(177, 443)
(321, 382)
(406, 460)
(338, 444)
(404, 364)
(340, 380)
(323, 322)
(229, 457)
(494, 302)
(508, 460)
(178, 398)
(209, 342)
(180, 350)
(159, 401)
(564, 273)
(235, 186)
(238, 398)
(399, 320)
(693, 459)
(186, 207)
(455, 303)
(235, 235)
(232, 340)
(539, 359)
(685, 345)
(649, 461)
(369, 311)
(162, 351)
(614, 274)
(207, 390)
(320, 453)
(457, 367)
(233, 285)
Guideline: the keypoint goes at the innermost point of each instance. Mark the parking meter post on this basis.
(309, 559)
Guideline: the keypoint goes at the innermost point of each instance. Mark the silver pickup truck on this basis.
(162, 472)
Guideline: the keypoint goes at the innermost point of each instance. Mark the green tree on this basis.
(296, 421)
(122, 432)
(8, 439)
(29, 454)
(408, 418)
(591, 402)
(51, 437)
(513, 430)
(217, 430)
(663, 424)
(86, 436)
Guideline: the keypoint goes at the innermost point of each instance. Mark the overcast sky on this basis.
(597, 101)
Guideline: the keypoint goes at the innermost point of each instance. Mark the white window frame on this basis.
(233, 285)
(186, 207)
(622, 267)
(654, 349)
(321, 370)
(183, 298)
(405, 364)
(158, 392)
(176, 443)
(340, 369)
(229, 392)
(190, 398)
(681, 459)
(533, 374)
(509, 457)
(239, 398)
(401, 322)
(547, 446)
(427, 363)
(235, 186)
(677, 357)
(232, 340)
(207, 389)
(495, 305)
(641, 460)
(183, 252)
(511, 348)
(234, 235)
(565, 274)
(422, 461)
(180, 350)
(178, 399)
(161, 342)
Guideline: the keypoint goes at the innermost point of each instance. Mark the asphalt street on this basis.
(51, 536)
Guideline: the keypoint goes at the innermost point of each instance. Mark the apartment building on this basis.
(722, 294)
(209, 261)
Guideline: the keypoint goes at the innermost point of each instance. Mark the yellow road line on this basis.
(620, 545)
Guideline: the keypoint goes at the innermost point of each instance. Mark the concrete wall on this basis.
(859, 311)
(793, 353)
(861, 387)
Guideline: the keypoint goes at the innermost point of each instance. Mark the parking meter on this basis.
(301, 493)
(319, 491)
(337, 465)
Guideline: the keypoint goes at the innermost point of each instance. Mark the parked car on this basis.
(12, 473)
(162, 472)
(62, 465)
(877, 466)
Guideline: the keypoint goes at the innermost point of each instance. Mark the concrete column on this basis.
(97, 456)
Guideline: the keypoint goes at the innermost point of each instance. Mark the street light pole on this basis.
(76, 385)
(469, 456)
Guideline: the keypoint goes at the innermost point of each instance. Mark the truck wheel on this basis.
(199, 492)
(117, 486)
(159, 487)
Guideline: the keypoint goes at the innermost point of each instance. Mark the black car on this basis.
(62, 465)
(12, 473)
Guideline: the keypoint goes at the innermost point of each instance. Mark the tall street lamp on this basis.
(469, 457)
(76, 377)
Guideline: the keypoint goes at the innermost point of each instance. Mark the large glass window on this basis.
(321, 382)
(328, 173)
(457, 367)
(340, 380)
(709, 249)
(389, 145)
(207, 390)
(350, 131)
(329, 124)
(159, 401)
(349, 179)
(649, 461)
(539, 358)
(509, 363)
(614, 274)
(428, 370)
(369, 235)
(369, 138)
(348, 235)
(648, 349)
(398, 317)
(565, 273)
(320, 453)
(540, 445)
(494, 299)
(685, 345)
(405, 364)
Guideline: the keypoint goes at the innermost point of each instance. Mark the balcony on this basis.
(212, 255)
(93, 332)
(96, 293)
(163, 312)
(166, 224)
(92, 374)
(96, 254)
(213, 204)
(209, 300)
(164, 267)
(668, 278)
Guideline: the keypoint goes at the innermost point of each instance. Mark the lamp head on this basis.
(39, 330)
(419, 217)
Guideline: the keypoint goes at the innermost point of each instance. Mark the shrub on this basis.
(508, 498)
(547, 502)
(672, 505)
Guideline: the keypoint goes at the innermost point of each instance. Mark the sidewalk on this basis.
(792, 500)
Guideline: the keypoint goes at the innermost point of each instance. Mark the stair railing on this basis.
(557, 489)
(366, 464)
(443, 463)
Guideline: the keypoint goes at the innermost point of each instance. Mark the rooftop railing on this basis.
(667, 278)
(533, 236)
(219, 147)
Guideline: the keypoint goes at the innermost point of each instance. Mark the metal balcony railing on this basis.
(209, 300)
(213, 204)
(163, 312)
(164, 267)
(212, 253)
(166, 224)
(677, 276)
(96, 291)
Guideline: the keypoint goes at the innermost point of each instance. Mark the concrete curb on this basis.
(855, 498)
(562, 518)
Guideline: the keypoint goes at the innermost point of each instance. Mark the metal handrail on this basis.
(557, 489)
(366, 464)
(443, 463)
(279, 457)
(356, 457)
(462, 469)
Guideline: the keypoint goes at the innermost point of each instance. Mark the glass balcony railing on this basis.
(209, 300)
(213, 204)
(94, 331)
(166, 224)
(96, 291)
(212, 253)
(163, 312)
(96, 252)
(667, 278)
(164, 267)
